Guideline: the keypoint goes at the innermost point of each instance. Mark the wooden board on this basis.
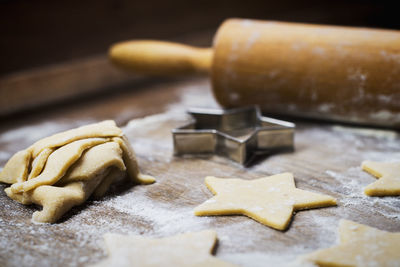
(327, 160)
(69, 81)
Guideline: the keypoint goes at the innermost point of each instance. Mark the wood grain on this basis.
(327, 160)
(33, 88)
(69, 81)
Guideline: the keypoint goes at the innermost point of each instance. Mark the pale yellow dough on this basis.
(57, 164)
(17, 168)
(360, 246)
(106, 128)
(189, 249)
(270, 200)
(97, 159)
(131, 163)
(63, 170)
(388, 174)
(39, 162)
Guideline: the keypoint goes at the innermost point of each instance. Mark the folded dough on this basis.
(57, 164)
(63, 170)
(16, 169)
(102, 129)
(39, 162)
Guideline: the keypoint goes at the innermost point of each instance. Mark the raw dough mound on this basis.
(63, 170)
(188, 249)
(360, 245)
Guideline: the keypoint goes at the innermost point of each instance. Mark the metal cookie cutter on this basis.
(238, 134)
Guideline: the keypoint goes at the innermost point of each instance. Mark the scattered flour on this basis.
(352, 186)
(332, 154)
(164, 219)
(386, 134)
(385, 115)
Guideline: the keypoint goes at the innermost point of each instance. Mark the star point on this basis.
(360, 245)
(269, 200)
(388, 175)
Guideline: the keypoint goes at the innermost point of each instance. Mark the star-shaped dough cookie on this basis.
(360, 245)
(270, 200)
(388, 174)
(189, 249)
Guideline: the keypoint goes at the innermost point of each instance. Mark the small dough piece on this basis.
(106, 128)
(114, 176)
(56, 200)
(39, 162)
(94, 161)
(63, 170)
(16, 169)
(270, 200)
(58, 163)
(188, 249)
(131, 163)
(388, 174)
(360, 245)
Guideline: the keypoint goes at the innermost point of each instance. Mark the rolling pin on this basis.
(326, 72)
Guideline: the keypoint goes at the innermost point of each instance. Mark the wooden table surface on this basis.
(327, 159)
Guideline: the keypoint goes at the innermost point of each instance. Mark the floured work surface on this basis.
(327, 160)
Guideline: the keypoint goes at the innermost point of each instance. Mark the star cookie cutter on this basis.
(239, 134)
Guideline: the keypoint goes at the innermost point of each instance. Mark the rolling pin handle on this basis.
(161, 58)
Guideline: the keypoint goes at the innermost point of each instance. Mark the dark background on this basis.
(40, 33)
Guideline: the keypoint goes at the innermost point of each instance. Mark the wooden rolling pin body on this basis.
(326, 72)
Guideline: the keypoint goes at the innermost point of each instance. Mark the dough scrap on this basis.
(114, 176)
(106, 128)
(39, 162)
(16, 169)
(270, 200)
(388, 174)
(188, 249)
(92, 164)
(56, 200)
(60, 177)
(360, 245)
(131, 163)
(57, 164)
